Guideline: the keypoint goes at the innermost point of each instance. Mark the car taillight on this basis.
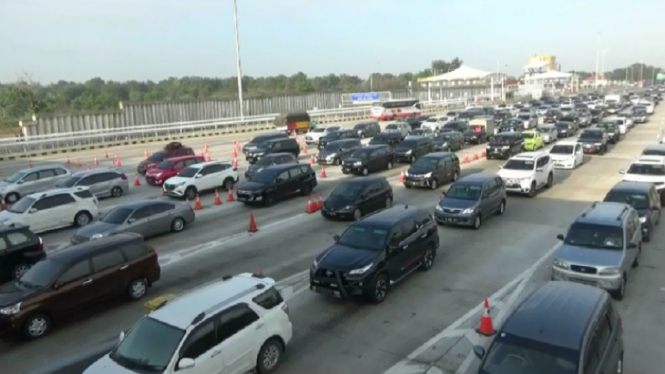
(123, 177)
(40, 245)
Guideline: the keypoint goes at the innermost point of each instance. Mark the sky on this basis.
(76, 40)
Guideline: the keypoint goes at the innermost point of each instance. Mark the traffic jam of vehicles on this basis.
(242, 322)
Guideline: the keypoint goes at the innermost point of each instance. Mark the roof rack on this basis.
(218, 306)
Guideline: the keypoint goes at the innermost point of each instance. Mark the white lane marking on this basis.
(406, 366)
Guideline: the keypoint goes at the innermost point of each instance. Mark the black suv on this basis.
(611, 128)
(596, 115)
(269, 160)
(368, 159)
(412, 148)
(367, 129)
(432, 170)
(644, 198)
(287, 145)
(390, 138)
(376, 251)
(356, 197)
(569, 327)
(448, 141)
(276, 183)
(336, 152)
(337, 135)
(459, 126)
(594, 140)
(20, 248)
(565, 129)
(259, 140)
(504, 145)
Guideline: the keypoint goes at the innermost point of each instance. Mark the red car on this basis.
(169, 168)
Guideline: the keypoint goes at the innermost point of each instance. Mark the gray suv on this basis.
(31, 180)
(600, 248)
(102, 182)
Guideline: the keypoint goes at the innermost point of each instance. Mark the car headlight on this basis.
(348, 207)
(97, 236)
(408, 152)
(468, 210)
(406, 174)
(361, 270)
(643, 219)
(610, 271)
(331, 156)
(16, 308)
(357, 163)
(438, 207)
(504, 147)
(487, 146)
(560, 264)
(428, 175)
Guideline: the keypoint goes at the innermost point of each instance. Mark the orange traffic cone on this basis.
(304, 149)
(205, 147)
(3, 206)
(68, 161)
(78, 163)
(401, 176)
(118, 163)
(310, 206)
(229, 196)
(197, 203)
(258, 273)
(115, 157)
(482, 153)
(234, 154)
(145, 153)
(137, 182)
(235, 163)
(465, 160)
(218, 200)
(95, 161)
(207, 157)
(106, 154)
(475, 156)
(252, 223)
(323, 172)
(87, 166)
(312, 160)
(486, 327)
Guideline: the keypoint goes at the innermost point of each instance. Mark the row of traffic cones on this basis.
(474, 157)
(314, 205)
(216, 201)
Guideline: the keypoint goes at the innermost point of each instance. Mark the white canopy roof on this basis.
(461, 73)
(552, 74)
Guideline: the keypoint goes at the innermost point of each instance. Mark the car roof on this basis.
(370, 147)
(15, 226)
(388, 217)
(566, 142)
(202, 164)
(511, 134)
(284, 166)
(186, 157)
(83, 250)
(141, 203)
(96, 171)
(416, 138)
(438, 154)
(558, 313)
(365, 180)
(476, 178)
(210, 297)
(629, 186)
(279, 154)
(342, 141)
(54, 191)
(652, 160)
(43, 167)
(528, 155)
(604, 213)
(270, 135)
(655, 147)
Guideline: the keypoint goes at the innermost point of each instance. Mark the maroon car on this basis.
(173, 149)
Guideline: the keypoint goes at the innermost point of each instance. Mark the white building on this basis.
(474, 81)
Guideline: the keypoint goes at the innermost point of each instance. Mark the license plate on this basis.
(346, 169)
(327, 291)
(242, 198)
(451, 219)
(332, 214)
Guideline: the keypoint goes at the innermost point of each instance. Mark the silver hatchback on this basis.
(102, 182)
(32, 180)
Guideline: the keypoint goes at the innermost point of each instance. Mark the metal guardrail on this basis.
(54, 142)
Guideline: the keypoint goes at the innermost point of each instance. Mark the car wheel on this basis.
(379, 289)
(270, 356)
(389, 165)
(477, 222)
(550, 181)
(178, 224)
(116, 192)
(433, 184)
(268, 200)
(621, 292)
(365, 171)
(228, 184)
(19, 270)
(357, 214)
(190, 193)
(388, 203)
(502, 208)
(428, 258)
(137, 289)
(532, 190)
(82, 219)
(36, 326)
(11, 198)
(455, 176)
(636, 261)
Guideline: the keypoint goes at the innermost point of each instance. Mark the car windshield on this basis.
(157, 156)
(407, 144)
(451, 114)
(560, 149)
(515, 164)
(70, 182)
(41, 274)
(636, 200)
(510, 354)
(419, 132)
(16, 177)
(427, 163)
(545, 130)
(117, 215)
(591, 135)
(645, 169)
(464, 191)
(166, 164)
(266, 161)
(528, 135)
(348, 190)
(22, 205)
(498, 139)
(265, 176)
(188, 172)
(605, 125)
(595, 236)
(562, 125)
(653, 152)
(139, 351)
(364, 236)
(379, 140)
(525, 117)
(319, 129)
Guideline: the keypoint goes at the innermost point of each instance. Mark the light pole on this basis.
(602, 64)
(238, 66)
(597, 58)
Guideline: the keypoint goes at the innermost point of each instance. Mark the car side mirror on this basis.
(121, 336)
(336, 238)
(539, 169)
(33, 210)
(479, 351)
(20, 182)
(560, 237)
(198, 176)
(632, 245)
(185, 363)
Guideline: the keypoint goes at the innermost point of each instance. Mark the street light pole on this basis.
(597, 58)
(602, 65)
(238, 66)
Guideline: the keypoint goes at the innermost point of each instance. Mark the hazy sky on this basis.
(155, 39)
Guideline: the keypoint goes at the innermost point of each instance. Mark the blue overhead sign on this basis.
(365, 96)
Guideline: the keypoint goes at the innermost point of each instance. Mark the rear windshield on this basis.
(511, 354)
(157, 156)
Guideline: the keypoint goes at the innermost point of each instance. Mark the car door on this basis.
(53, 212)
(161, 217)
(212, 177)
(94, 183)
(47, 179)
(540, 171)
(139, 221)
(579, 154)
(108, 274)
(241, 332)
(283, 185)
(596, 351)
(106, 182)
(73, 289)
(412, 245)
(203, 346)
(443, 171)
(29, 184)
(496, 188)
(654, 204)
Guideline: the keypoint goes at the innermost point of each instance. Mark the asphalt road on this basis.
(436, 308)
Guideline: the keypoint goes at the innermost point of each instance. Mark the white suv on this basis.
(232, 326)
(435, 123)
(53, 209)
(567, 154)
(528, 172)
(319, 132)
(650, 169)
(205, 176)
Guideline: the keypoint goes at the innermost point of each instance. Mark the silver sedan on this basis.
(146, 217)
